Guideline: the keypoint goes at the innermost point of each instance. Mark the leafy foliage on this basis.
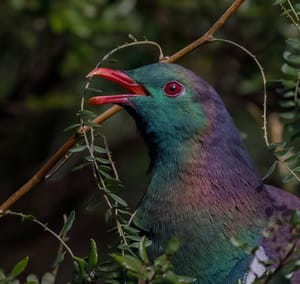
(288, 264)
(289, 102)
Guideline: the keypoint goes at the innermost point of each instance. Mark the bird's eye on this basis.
(173, 89)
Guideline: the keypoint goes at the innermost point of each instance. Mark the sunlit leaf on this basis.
(128, 262)
(143, 251)
(19, 267)
(93, 255)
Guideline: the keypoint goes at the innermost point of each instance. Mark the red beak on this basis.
(123, 80)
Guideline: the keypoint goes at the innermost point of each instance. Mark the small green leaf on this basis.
(130, 229)
(295, 217)
(281, 152)
(92, 124)
(297, 169)
(291, 58)
(287, 178)
(108, 266)
(77, 149)
(118, 199)
(81, 265)
(113, 184)
(100, 150)
(32, 279)
(287, 103)
(93, 255)
(170, 276)
(125, 247)
(172, 247)
(287, 115)
(59, 259)
(134, 238)
(271, 170)
(2, 275)
(292, 158)
(293, 43)
(101, 160)
(19, 267)
(185, 279)
(128, 262)
(87, 114)
(291, 84)
(68, 224)
(279, 2)
(48, 278)
(163, 262)
(288, 95)
(143, 251)
(290, 71)
(28, 218)
(273, 146)
(76, 125)
(80, 167)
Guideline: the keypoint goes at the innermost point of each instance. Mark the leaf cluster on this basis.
(289, 101)
(18, 269)
(286, 249)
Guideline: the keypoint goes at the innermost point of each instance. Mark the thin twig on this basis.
(46, 228)
(42, 172)
(261, 69)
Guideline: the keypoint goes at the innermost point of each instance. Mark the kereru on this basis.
(204, 188)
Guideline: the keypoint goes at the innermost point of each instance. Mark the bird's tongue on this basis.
(123, 80)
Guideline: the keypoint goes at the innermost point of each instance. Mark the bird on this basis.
(204, 188)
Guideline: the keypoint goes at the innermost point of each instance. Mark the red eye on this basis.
(173, 89)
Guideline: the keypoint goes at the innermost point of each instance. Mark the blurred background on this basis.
(46, 50)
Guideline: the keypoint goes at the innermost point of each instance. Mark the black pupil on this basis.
(173, 87)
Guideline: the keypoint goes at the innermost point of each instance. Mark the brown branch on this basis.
(62, 151)
(42, 172)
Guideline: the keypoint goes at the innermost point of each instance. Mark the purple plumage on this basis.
(204, 189)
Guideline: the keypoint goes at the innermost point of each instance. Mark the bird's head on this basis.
(171, 105)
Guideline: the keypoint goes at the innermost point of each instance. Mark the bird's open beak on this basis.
(123, 80)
